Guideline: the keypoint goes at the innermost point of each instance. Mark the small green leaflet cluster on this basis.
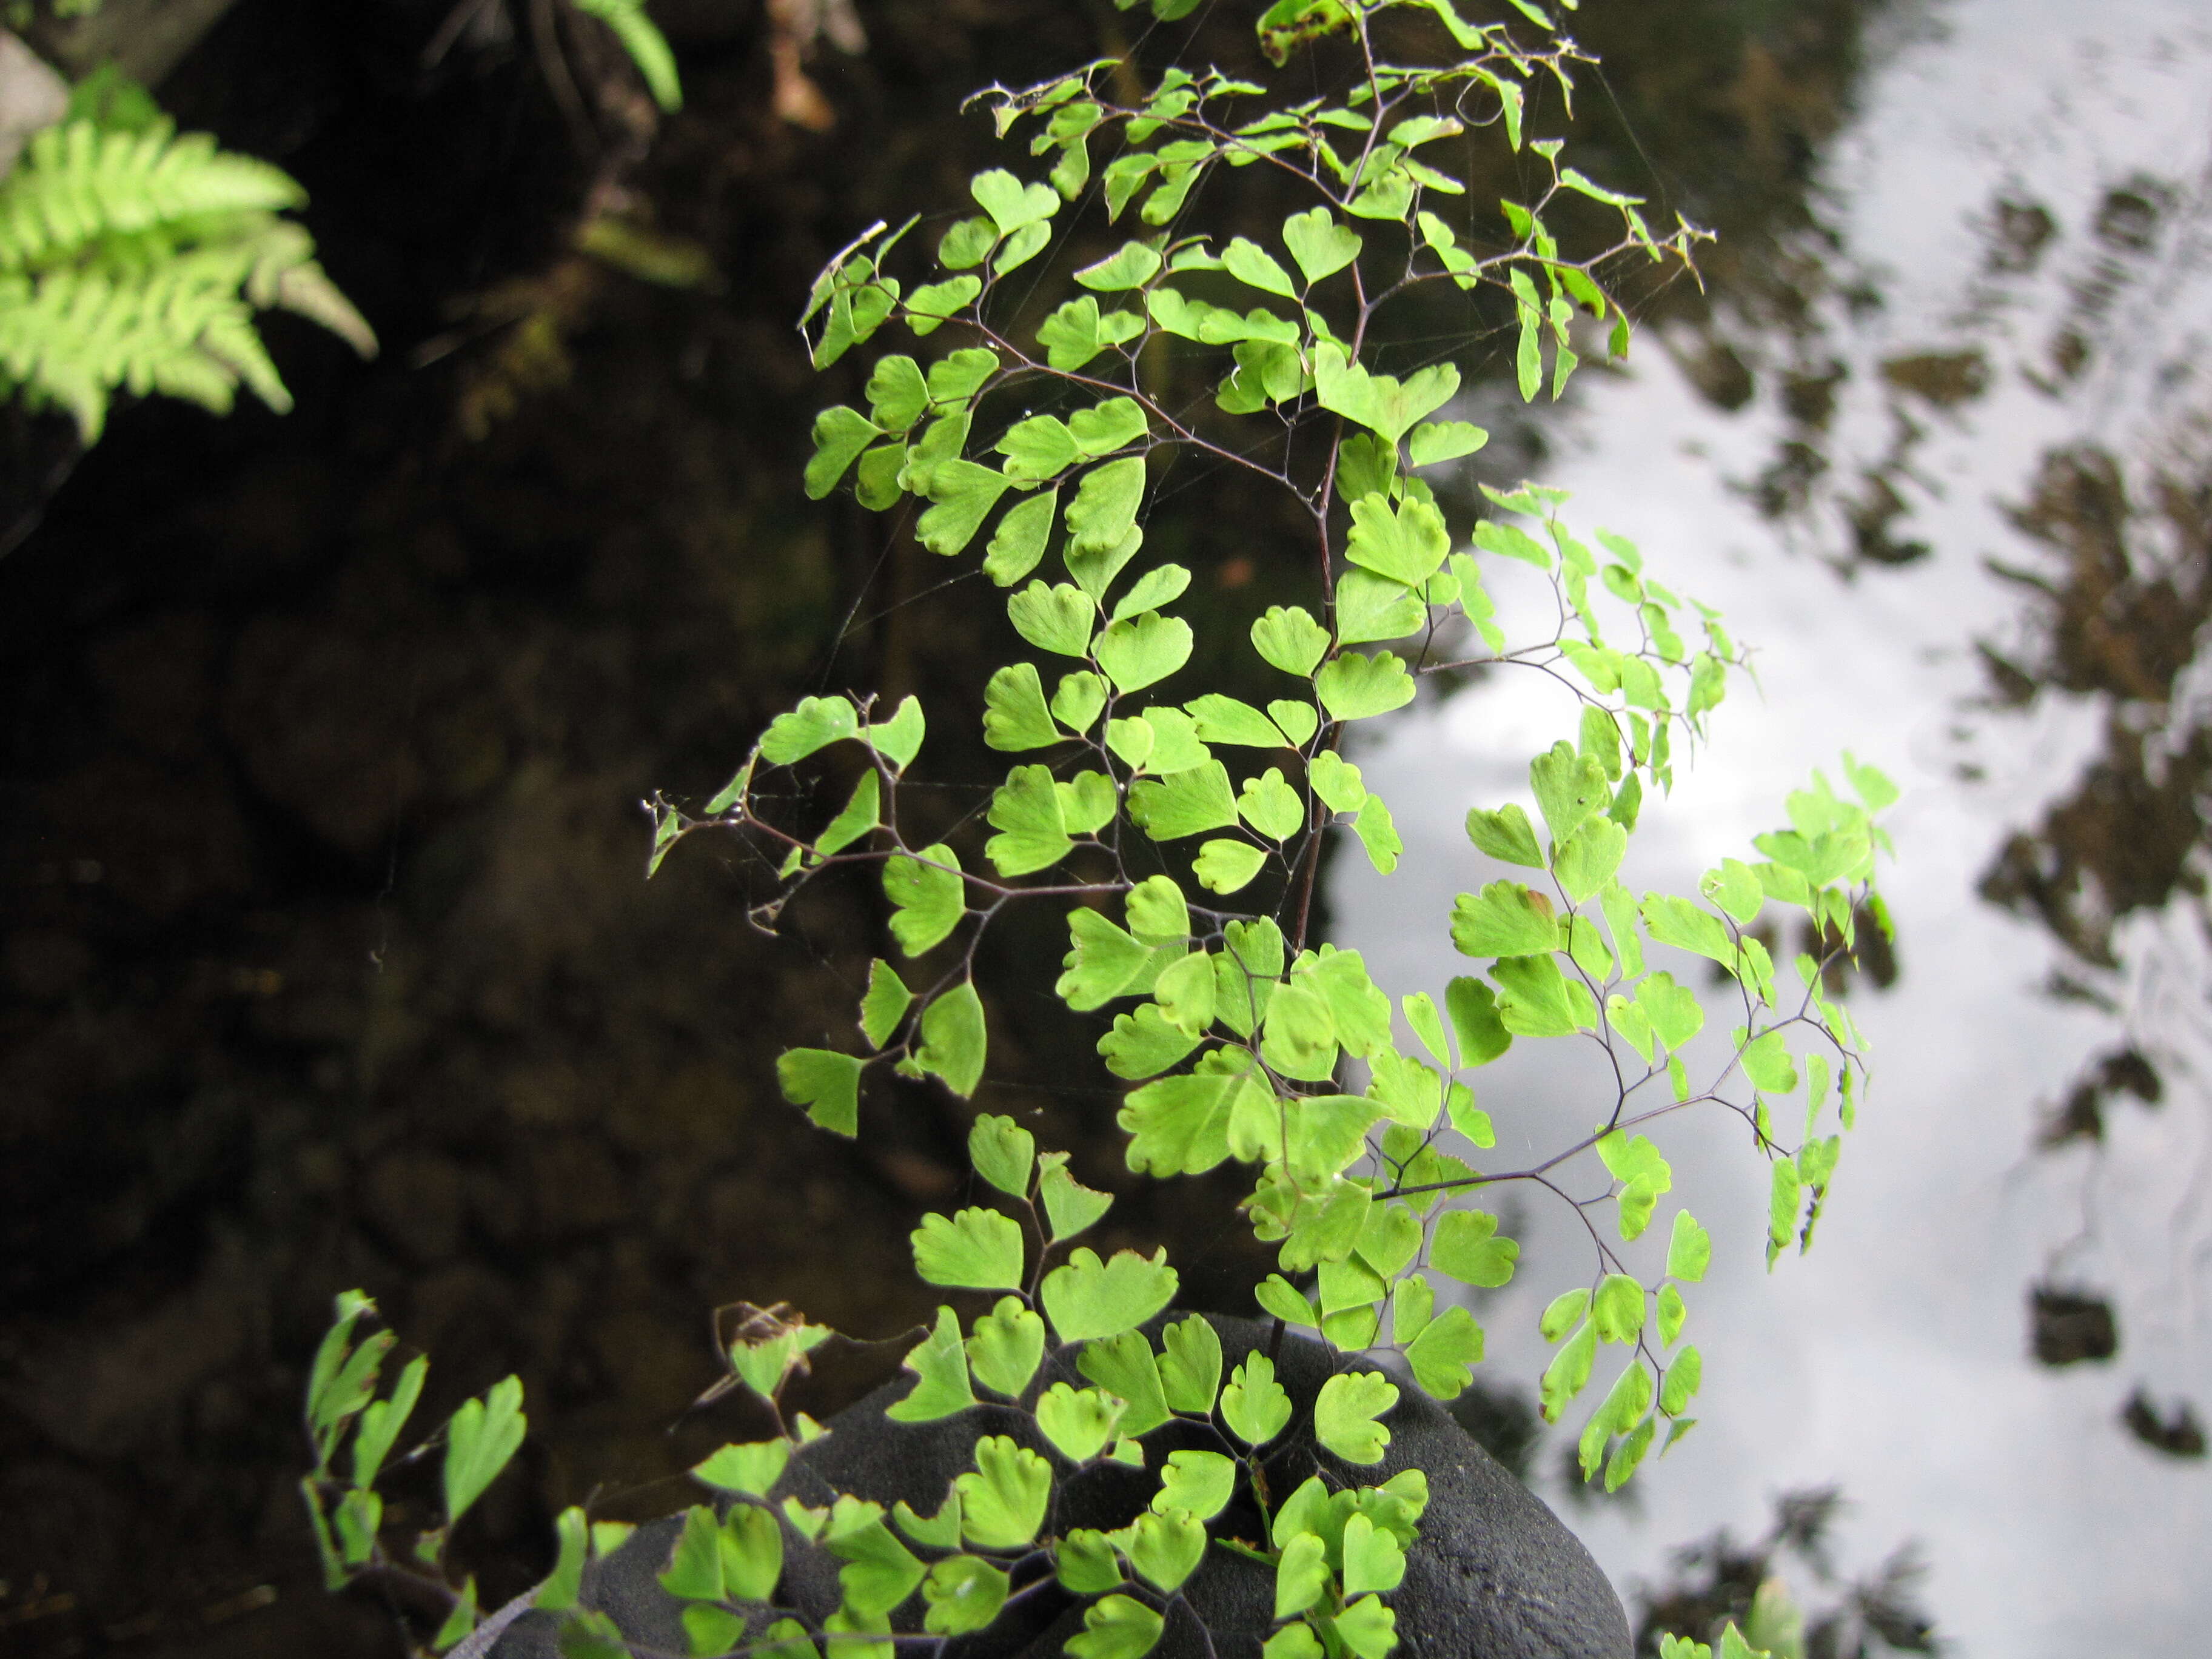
(1774, 1628)
(1732, 1646)
(345, 1508)
(1571, 961)
(1235, 1033)
(1152, 768)
(1335, 1553)
(1258, 1026)
(1289, 24)
(1143, 805)
(1141, 802)
(1360, 158)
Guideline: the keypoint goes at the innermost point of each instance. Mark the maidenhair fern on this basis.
(1180, 833)
(131, 258)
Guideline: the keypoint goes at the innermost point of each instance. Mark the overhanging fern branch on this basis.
(137, 260)
(80, 182)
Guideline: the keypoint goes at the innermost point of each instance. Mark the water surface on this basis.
(1961, 516)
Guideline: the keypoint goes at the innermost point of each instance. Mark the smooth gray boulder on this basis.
(1494, 1575)
(32, 96)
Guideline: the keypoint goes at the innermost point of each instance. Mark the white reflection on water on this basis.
(1893, 1358)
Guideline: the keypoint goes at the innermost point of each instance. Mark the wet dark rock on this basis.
(157, 680)
(108, 1387)
(1494, 1575)
(2067, 1326)
(1784, 487)
(2080, 1114)
(1808, 395)
(1873, 515)
(2121, 841)
(2017, 232)
(45, 964)
(413, 1198)
(2175, 1434)
(1945, 378)
(2125, 580)
(2120, 594)
(2129, 217)
(1719, 372)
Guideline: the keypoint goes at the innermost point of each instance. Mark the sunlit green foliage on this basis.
(1141, 803)
(343, 1405)
(133, 258)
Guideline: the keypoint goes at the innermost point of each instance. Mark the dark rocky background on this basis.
(325, 955)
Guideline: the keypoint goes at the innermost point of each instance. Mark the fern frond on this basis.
(71, 337)
(284, 274)
(78, 182)
(137, 261)
(229, 340)
(646, 45)
(305, 290)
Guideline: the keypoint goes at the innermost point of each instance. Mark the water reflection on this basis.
(1968, 389)
(2089, 304)
(1719, 1579)
(329, 964)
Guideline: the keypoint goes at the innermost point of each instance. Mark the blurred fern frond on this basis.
(133, 258)
(646, 45)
